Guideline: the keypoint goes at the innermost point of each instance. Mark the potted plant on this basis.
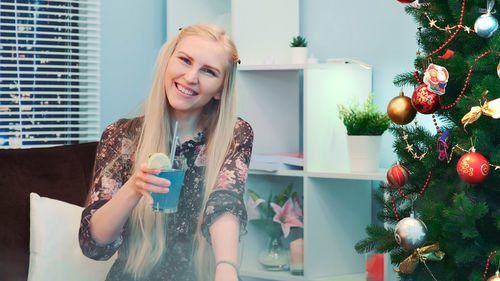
(298, 50)
(365, 127)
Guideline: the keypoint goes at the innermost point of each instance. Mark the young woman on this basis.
(194, 85)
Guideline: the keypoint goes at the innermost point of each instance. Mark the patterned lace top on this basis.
(117, 142)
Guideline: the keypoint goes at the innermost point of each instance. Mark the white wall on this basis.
(132, 34)
(376, 32)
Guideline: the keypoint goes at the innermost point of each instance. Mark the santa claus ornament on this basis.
(435, 78)
(473, 168)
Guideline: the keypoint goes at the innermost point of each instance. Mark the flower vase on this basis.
(275, 256)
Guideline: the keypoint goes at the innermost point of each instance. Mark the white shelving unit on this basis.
(294, 108)
(259, 67)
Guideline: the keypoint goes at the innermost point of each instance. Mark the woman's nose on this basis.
(191, 75)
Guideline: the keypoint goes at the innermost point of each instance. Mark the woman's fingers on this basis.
(147, 181)
(149, 187)
(148, 196)
(144, 168)
(156, 180)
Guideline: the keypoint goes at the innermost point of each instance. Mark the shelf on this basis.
(287, 276)
(282, 173)
(271, 275)
(376, 176)
(330, 65)
(257, 67)
(350, 277)
(380, 175)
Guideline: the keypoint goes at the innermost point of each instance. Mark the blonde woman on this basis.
(194, 85)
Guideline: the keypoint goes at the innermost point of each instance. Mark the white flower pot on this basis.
(298, 55)
(364, 153)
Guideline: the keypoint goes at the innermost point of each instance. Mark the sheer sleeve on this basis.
(227, 194)
(107, 179)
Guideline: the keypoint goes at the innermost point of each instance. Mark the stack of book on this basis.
(277, 161)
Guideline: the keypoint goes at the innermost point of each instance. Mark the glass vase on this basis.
(275, 256)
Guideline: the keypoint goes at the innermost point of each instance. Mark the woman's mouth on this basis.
(185, 91)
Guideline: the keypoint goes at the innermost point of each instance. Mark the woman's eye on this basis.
(208, 71)
(185, 60)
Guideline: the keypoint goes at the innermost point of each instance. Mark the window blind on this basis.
(49, 72)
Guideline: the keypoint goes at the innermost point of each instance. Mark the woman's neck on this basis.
(187, 127)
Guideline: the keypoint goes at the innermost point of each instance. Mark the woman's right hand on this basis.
(145, 180)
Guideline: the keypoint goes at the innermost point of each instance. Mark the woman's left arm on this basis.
(225, 216)
(225, 233)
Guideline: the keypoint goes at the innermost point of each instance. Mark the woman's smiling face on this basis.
(195, 74)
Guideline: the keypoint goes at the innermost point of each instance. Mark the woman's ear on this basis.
(218, 96)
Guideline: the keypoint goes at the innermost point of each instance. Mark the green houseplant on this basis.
(298, 41)
(364, 120)
(298, 47)
(364, 125)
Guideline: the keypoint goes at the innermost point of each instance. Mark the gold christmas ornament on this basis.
(495, 277)
(400, 110)
(490, 108)
(429, 252)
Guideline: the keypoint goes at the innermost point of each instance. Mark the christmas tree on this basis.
(441, 205)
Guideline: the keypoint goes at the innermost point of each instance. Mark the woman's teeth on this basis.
(186, 91)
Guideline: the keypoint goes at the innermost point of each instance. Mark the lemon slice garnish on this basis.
(159, 161)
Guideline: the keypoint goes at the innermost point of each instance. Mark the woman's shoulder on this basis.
(243, 132)
(128, 127)
(243, 126)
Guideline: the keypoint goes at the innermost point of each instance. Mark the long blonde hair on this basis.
(145, 245)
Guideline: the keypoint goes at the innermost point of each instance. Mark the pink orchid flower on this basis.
(286, 216)
(252, 211)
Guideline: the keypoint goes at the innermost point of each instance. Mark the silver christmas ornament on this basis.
(486, 24)
(410, 233)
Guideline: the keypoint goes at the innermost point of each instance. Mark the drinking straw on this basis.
(174, 144)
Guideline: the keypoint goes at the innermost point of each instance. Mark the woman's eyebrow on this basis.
(205, 65)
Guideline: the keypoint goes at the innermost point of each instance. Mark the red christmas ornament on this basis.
(397, 175)
(406, 1)
(425, 101)
(473, 168)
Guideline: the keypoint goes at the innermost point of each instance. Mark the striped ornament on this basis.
(397, 175)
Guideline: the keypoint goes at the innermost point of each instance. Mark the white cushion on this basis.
(55, 252)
